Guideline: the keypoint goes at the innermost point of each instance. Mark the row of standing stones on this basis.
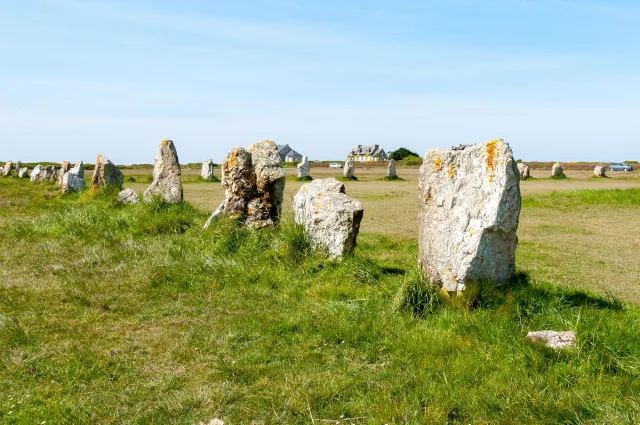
(469, 206)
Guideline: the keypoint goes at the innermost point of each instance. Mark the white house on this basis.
(288, 155)
(368, 153)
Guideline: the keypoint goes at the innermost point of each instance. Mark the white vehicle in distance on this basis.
(335, 165)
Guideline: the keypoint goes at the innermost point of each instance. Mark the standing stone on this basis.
(23, 172)
(207, 170)
(330, 217)
(8, 167)
(600, 171)
(391, 170)
(129, 197)
(167, 180)
(35, 173)
(349, 169)
(16, 168)
(557, 170)
(49, 174)
(64, 168)
(470, 208)
(304, 168)
(106, 174)
(524, 171)
(254, 182)
(553, 339)
(73, 180)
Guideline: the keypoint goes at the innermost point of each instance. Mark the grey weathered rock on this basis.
(557, 170)
(391, 170)
(7, 168)
(349, 169)
(304, 168)
(73, 180)
(524, 170)
(16, 168)
(106, 174)
(23, 172)
(35, 173)
(167, 180)
(254, 182)
(330, 217)
(207, 170)
(64, 168)
(470, 208)
(553, 339)
(600, 171)
(129, 196)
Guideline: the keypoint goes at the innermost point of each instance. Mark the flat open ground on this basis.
(114, 314)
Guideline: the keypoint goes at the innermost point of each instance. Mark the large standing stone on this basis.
(600, 171)
(64, 168)
(207, 170)
(35, 173)
(7, 168)
(73, 180)
(254, 182)
(106, 174)
(557, 170)
(524, 171)
(553, 339)
(470, 208)
(129, 196)
(23, 172)
(304, 168)
(349, 169)
(330, 217)
(16, 168)
(391, 170)
(167, 180)
(49, 174)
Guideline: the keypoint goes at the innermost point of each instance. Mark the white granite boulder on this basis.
(553, 339)
(557, 170)
(106, 174)
(391, 170)
(524, 171)
(207, 170)
(129, 197)
(349, 171)
(73, 180)
(23, 172)
(167, 176)
(64, 168)
(470, 208)
(330, 217)
(7, 168)
(304, 168)
(600, 171)
(35, 173)
(254, 182)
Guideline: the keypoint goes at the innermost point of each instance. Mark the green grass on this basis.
(347, 179)
(604, 197)
(186, 179)
(560, 177)
(134, 314)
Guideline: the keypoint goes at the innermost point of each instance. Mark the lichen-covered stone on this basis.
(73, 180)
(557, 170)
(391, 170)
(304, 168)
(106, 174)
(128, 197)
(553, 339)
(35, 173)
(330, 217)
(7, 168)
(207, 170)
(23, 172)
(254, 182)
(50, 174)
(167, 176)
(470, 208)
(524, 171)
(64, 168)
(600, 171)
(349, 171)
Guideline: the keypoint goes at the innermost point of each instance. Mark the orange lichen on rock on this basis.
(438, 164)
(452, 171)
(492, 157)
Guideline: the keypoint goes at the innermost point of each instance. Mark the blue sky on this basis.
(558, 79)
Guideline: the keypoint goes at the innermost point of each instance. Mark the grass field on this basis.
(112, 314)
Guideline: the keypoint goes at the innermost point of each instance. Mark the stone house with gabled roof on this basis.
(368, 153)
(288, 155)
